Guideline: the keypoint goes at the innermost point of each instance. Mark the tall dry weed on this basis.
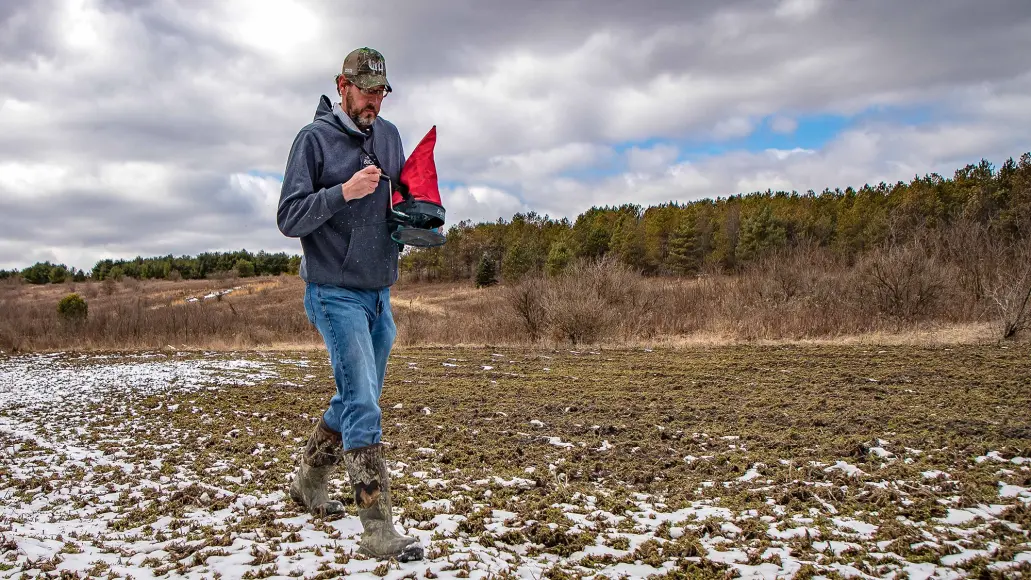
(1008, 288)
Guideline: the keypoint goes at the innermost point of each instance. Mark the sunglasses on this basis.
(374, 91)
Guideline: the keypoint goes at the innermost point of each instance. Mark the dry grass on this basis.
(131, 314)
(922, 292)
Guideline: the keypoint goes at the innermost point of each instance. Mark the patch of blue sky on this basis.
(449, 183)
(266, 174)
(810, 132)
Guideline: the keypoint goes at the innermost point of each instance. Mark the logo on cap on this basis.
(366, 68)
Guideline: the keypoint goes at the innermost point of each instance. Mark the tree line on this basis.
(716, 235)
(726, 234)
(240, 263)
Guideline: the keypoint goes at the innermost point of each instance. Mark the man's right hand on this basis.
(362, 183)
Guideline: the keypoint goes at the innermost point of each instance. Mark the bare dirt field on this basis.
(723, 461)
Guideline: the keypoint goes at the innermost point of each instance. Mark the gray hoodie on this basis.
(345, 243)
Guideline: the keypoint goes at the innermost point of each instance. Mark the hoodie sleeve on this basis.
(302, 208)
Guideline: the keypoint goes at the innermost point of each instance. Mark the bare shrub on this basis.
(1009, 288)
(687, 305)
(784, 274)
(582, 320)
(592, 299)
(798, 292)
(903, 282)
(975, 253)
(527, 299)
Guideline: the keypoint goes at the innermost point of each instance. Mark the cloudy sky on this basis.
(149, 127)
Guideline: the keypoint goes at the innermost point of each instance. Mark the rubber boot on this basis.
(318, 458)
(371, 483)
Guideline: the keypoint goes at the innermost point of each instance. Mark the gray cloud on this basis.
(203, 91)
(27, 30)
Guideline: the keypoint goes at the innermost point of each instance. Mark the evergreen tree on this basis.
(73, 307)
(725, 237)
(597, 242)
(759, 234)
(244, 268)
(38, 273)
(559, 257)
(518, 260)
(628, 241)
(684, 256)
(58, 274)
(658, 225)
(486, 275)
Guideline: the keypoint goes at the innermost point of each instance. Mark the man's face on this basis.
(360, 106)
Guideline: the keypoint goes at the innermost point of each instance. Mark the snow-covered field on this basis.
(173, 464)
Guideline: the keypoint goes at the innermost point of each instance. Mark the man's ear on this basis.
(341, 83)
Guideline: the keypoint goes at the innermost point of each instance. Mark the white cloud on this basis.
(262, 192)
(798, 9)
(479, 203)
(782, 124)
(537, 164)
(651, 159)
(732, 127)
(134, 127)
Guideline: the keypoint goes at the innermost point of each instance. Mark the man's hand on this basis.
(362, 183)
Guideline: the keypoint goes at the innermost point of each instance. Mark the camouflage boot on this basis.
(371, 483)
(318, 458)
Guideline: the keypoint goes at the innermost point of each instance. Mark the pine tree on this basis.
(628, 241)
(598, 240)
(244, 268)
(725, 237)
(485, 272)
(759, 234)
(73, 307)
(684, 256)
(558, 258)
(38, 273)
(58, 274)
(518, 260)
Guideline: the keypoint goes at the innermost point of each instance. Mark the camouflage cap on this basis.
(366, 68)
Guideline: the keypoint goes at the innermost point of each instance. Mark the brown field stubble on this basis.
(908, 294)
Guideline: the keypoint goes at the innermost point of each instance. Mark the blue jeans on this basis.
(358, 327)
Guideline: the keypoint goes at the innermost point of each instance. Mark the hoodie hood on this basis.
(329, 112)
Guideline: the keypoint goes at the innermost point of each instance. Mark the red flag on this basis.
(420, 172)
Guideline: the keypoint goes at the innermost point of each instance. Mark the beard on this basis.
(363, 118)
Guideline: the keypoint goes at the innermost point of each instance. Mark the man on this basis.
(334, 200)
